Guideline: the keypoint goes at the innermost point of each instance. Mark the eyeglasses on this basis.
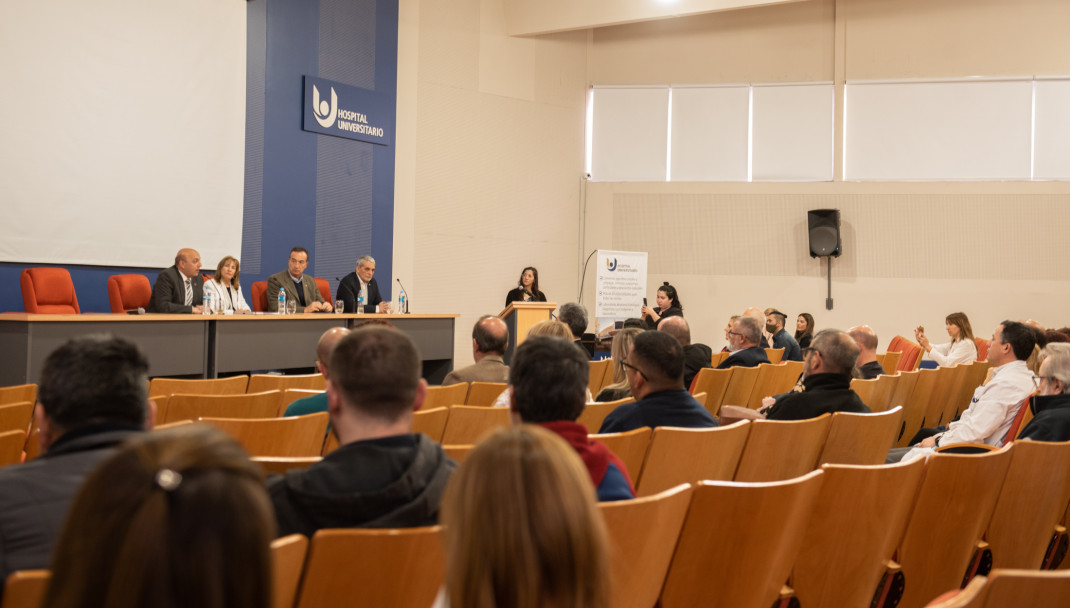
(734, 333)
(627, 365)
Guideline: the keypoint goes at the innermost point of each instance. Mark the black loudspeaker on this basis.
(824, 232)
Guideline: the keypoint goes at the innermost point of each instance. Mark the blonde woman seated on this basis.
(175, 518)
(224, 287)
(961, 348)
(619, 389)
(521, 527)
(542, 328)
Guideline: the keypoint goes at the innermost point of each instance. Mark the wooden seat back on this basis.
(32, 447)
(466, 424)
(401, 568)
(192, 407)
(789, 375)
(290, 395)
(774, 355)
(235, 385)
(891, 362)
(259, 383)
(941, 395)
(279, 465)
(882, 394)
(431, 422)
(597, 374)
(279, 437)
(446, 396)
(11, 445)
(738, 542)
(864, 389)
(960, 393)
(18, 394)
(595, 413)
(1031, 588)
(642, 534)
(861, 438)
(782, 449)
(740, 386)
(713, 382)
(718, 358)
(858, 520)
(765, 385)
(915, 404)
(26, 588)
(458, 452)
(484, 393)
(680, 456)
(630, 446)
(16, 416)
(287, 563)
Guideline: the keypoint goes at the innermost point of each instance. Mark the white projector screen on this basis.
(123, 127)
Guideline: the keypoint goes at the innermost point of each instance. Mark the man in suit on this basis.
(743, 341)
(298, 285)
(490, 337)
(180, 288)
(362, 281)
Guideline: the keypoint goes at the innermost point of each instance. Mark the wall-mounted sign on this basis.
(333, 108)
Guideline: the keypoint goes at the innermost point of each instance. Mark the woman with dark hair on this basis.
(175, 518)
(521, 527)
(527, 288)
(961, 348)
(225, 288)
(669, 305)
(804, 329)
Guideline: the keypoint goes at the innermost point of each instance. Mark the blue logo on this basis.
(611, 264)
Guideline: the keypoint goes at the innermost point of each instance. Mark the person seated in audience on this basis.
(382, 475)
(180, 288)
(547, 327)
(1051, 409)
(300, 287)
(521, 527)
(633, 322)
(994, 404)
(549, 380)
(1056, 336)
(866, 339)
(728, 333)
(655, 371)
(175, 518)
(490, 338)
(527, 288)
(361, 282)
(804, 329)
(774, 324)
(92, 396)
(758, 315)
(669, 305)
(743, 341)
(318, 402)
(619, 389)
(961, 348)
(826, 381)
(575, 317)
(225, 288)
(696, 356)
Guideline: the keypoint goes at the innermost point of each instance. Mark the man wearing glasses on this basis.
(655, 372)
(827, 366)
(1051, 409)
(743, 340)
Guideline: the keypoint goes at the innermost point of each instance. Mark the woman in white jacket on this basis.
(224, 287)
(961, 348)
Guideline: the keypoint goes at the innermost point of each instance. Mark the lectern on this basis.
(519, 317)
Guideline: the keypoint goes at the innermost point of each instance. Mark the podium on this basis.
(519, 317)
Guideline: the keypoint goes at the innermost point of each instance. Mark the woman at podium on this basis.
(527, 288)
(668, 306)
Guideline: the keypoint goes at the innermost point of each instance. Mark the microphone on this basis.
(404, 291)
(528, 291)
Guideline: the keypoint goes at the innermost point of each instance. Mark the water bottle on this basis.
(282, 300)
(206, 305)
(360, 304)
(403, 304)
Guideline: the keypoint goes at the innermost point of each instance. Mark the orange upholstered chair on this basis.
(982, 348)
(259, 294)
(325, 289)
(128, 292)
(48, 290)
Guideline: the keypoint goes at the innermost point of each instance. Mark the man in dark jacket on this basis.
(382, 475)
(774, 324)
(826, 380)
(92, 396)
(1051, 409)
(743, 341)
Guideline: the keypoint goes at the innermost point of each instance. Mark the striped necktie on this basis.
(189, 292)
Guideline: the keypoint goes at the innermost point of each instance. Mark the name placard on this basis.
(333, 108)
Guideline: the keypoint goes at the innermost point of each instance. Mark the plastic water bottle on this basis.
(282, 300)
(206, 305)
(403, 303)
(360, 304)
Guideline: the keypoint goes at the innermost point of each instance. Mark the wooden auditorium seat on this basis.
(259, 383)
(18, 394)
(679, 455)
(287, 563)
(280, 437)
(782, 449)
(235, 385)
(273, 464)
(1012, 589)
(862, 439)
(11, 445)
(483, 393)
(26, 588)
(713, 382)
(192, 407)
(16, 416)
(431, 422)
(630, 446)
(466, 424)
(446, 396)
(595, 413)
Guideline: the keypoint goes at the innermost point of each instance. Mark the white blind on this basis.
(630, 134)
(792, 139)
(709, 133)
(1052, 143)
(938, 130)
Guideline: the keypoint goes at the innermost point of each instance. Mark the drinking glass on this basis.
(338, 306)
(291, 307)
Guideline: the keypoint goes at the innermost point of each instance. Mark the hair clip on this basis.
(168, 479)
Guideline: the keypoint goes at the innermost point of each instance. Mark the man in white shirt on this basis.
(995, 404)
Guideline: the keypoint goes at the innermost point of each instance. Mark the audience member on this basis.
(225, 288)
(549, 385)
(633, 322)
(547, 327)
(804, 329)
(527, 288)
(866, 339)
(382, 475)
(93, 395)
(961, 348)
(622, 343)
(669, 305)
(774, 324)
(1051, 409)
(826, 381)
(728, 333)
(759, 316)
(655, 370)
(993, 408)
(696, 356)
(361, 283)
(743, 341)
(490, 338)
(522, 529)
(575, 316)
(318, 402)
(176, 518)
(180, 288)
(300, 287)
(1056, 336)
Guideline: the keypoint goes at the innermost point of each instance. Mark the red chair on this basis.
(325, 290)
(128, 292)
(258, 291)
(982, 348)
(49, 291)
(910, 353)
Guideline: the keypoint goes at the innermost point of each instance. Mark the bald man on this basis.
(490, 337)
(866, 339)
(324, 348)
(758, 315)
(696, 356)
(180, 288)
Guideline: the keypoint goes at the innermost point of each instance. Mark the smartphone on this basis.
(644, 301)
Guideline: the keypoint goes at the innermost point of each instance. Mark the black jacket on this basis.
(746, 357)
(349, 289)
(1052, 419)
(823, 394)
